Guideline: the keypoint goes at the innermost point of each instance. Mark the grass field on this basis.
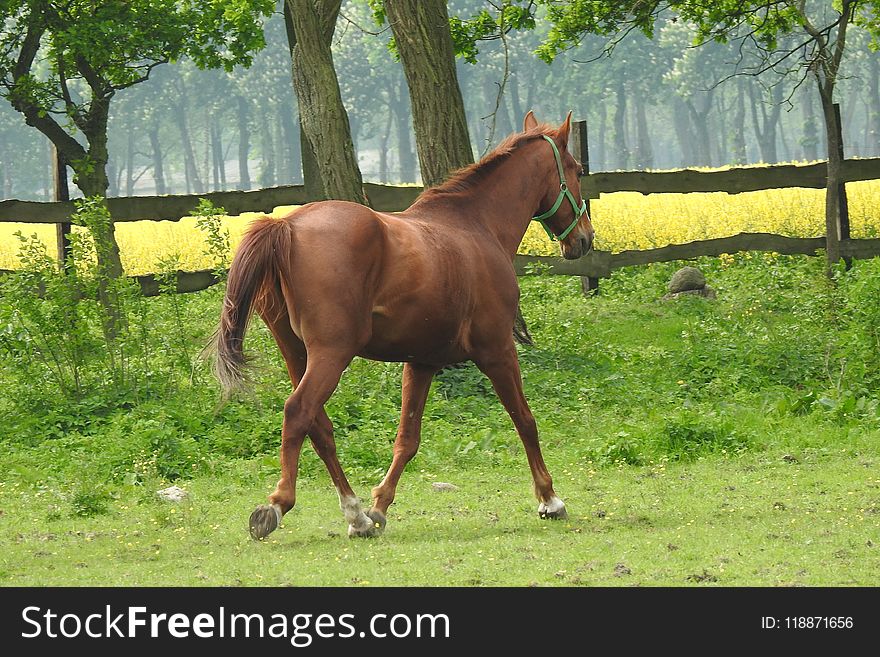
(725, 442)
(749, 520)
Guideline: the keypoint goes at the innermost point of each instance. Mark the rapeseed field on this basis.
(623, 220)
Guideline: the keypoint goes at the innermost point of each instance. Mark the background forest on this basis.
(649, 105)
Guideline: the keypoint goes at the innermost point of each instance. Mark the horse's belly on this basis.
(431, 341)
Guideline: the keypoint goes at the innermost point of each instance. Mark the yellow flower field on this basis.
(623, 220)
(629, 220)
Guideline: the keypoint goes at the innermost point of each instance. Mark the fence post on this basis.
(61, 193)
(579, 146)
(842, 204)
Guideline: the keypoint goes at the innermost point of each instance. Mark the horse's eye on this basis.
(581, 173)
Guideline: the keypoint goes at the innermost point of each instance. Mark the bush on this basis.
(692, 433)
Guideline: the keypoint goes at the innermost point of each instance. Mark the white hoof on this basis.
(552, 510)
(359, 523)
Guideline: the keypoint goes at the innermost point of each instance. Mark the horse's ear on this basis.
(564, 130)
(530, 121)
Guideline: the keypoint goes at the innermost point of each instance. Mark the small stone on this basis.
(621, 569)
(687, 278)
(442, 486)
(788, 458)
(172, 494)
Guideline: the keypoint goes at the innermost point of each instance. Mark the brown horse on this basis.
(430, 286)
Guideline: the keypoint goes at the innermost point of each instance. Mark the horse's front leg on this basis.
(503, 371)
(416, 383)
(359, 523)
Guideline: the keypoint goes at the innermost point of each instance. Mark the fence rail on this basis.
(732, 181)
(172, 207)
(390, 198)
(595, 265)
(600, 264)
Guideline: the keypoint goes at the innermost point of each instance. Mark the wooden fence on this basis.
(592, 267)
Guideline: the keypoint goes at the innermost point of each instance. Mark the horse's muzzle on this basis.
(579, 248)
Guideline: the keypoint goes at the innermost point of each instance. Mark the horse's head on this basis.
(562, 212)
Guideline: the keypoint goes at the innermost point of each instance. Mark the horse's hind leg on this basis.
(303, 413)
(503, 370)
(416, 383)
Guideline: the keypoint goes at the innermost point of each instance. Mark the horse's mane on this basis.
(469, 177)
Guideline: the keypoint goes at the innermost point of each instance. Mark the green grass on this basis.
(730, 442)
(750, 520)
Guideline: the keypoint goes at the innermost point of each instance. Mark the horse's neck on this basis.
(503, 204)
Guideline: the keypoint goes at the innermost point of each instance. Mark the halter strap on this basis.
(563, 194)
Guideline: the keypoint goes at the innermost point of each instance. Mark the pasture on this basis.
(721, 442)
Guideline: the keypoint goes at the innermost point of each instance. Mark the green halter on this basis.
(563, 193)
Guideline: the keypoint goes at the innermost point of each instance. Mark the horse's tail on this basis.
(255, 265)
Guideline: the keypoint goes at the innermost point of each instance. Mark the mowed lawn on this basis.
(766, 520)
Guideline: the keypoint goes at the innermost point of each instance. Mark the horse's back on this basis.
(404, 287)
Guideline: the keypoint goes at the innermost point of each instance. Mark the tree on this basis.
(63, 61)
(423, 40)
(782, 32)
(323, 118)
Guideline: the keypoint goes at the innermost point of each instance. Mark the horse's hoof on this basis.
(552, 510)
(371, 524)
(264, 520)
(378, 518)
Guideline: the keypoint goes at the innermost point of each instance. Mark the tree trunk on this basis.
(208, 159)
(832, 190)
(289, 149)
(683, 131)
(623, 155)
(322, 114)
(784, 153)
(129, 162)
(406, 161)
(267, 150)
(765, 123)
(383, 147)
(645, 152)
(217, 159)
(738, 145)
(158, 168)
(193, 182)
(597, 144)
(874, 104)
(421, 32)
(91, 178)
(810, 139)
(516, 105)
(700, 121)
(244, 144)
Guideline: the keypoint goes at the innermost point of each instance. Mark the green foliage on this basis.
(87, 503)
(767, 22)
(483, 26)
(113, 45)
(466, 33)
(217, 243)
(691, 434)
